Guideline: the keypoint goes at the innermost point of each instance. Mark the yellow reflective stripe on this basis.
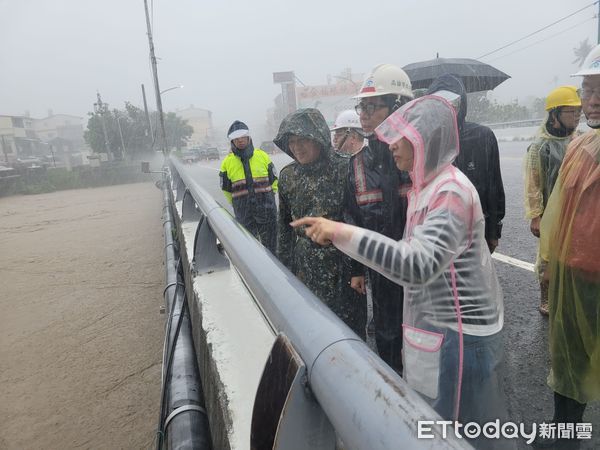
(239, 193)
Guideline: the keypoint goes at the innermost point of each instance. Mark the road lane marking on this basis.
(513, 261)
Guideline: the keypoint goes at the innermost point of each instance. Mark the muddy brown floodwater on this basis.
(81, 282)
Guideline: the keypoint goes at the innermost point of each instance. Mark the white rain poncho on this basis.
(453, 308)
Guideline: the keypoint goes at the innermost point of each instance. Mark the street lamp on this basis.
(171, 88)
(101, 108)
(160, 112)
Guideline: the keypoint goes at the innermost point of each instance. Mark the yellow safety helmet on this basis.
(563, 96)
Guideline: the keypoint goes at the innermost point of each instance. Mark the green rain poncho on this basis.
(571, 245)
(542, 163)
(316, 189)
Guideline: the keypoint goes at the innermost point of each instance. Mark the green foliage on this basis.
(581, 52)
(62, 178)
(538, 107)
(481, 110)
(40, 188)
(135, 130)
(177, 130)
(118, 172)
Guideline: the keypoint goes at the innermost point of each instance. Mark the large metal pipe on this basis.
(170, 261)
(369, 405)
(183, 419)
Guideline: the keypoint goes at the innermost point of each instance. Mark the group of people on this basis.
(408, 208)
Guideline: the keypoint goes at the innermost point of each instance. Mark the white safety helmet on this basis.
(591, 64)
(386, 79)
(346, 119)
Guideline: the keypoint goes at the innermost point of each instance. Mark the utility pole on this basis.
(121, 134)
(52, 153)
(598, 21)
(4, 149)
(147, 115)
(101, 109)
(156, 86)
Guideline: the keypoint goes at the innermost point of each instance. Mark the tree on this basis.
(481, 110)
(178, 131)
(136, 133)
(581, 52)
(94, 134)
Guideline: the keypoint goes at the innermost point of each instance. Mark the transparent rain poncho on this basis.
(452, 301)
(542, 163)
(570, 242)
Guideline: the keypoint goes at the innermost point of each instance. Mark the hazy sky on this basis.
(57, 53)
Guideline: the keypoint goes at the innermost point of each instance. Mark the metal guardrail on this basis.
(516, 123)
(367, 403)
(522, 123)
(183, 422)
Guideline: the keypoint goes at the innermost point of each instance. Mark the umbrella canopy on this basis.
(475, 75)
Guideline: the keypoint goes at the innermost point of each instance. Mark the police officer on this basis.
(248, 181)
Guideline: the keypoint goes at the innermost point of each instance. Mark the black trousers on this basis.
(387, 315)
(266, 233)
(567, 410)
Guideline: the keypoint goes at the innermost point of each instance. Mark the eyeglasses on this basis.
(571, 112)
(368, 108)
(587, 93)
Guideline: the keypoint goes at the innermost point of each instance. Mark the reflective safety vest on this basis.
(233, 178)
(253, 198)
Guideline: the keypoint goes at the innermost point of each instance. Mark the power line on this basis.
(542, 40)
(537, 31)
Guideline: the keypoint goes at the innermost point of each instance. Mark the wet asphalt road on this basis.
(526, 344)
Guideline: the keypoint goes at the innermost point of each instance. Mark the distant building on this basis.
(61, 126)
(201, 121)
(18, 138)
(331, 98)
(58, 135)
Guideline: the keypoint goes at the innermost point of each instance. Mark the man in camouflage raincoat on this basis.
(314, 185)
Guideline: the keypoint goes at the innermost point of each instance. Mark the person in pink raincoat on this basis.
(453, 306)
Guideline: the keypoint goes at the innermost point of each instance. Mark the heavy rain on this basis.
(177, 185)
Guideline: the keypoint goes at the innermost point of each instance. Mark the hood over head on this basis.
(307, 123)
(452, 83)
(237, 129)
(429, 124)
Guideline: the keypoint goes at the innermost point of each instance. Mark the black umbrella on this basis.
(475, 75)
